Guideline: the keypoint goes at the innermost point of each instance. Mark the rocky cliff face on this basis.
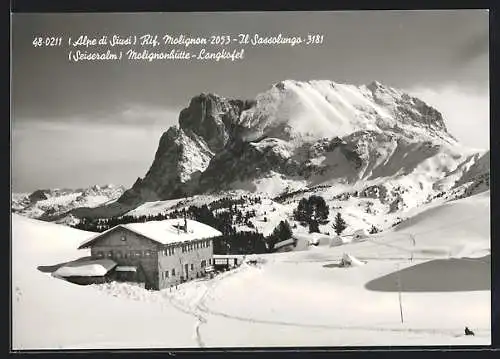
(205, 128)
(315, 132)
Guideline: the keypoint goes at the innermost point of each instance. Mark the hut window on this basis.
(99, 254)
(173, 272)
(192, 266)
(166, 274)
(138, 254)
(123, 238)
(110, 254)
(147, 253)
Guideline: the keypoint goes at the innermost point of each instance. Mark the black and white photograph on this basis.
(250, 179)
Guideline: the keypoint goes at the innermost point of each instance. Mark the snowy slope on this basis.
(295, 110)
(287, 299)
(49, 313)
(309, 300)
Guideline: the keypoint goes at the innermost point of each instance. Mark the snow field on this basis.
(300, 298)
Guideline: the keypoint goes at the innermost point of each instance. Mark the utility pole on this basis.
(399, 293)
(412, 238)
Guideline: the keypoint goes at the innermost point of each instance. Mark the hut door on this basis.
(186, 270)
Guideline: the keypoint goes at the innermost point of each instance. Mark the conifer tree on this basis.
(339, 225)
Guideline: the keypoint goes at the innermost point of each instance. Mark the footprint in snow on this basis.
(19, 294)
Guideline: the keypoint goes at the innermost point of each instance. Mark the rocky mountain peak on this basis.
(213, 118)
(314, 130)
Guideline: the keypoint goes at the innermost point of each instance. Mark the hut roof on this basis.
(164, 232)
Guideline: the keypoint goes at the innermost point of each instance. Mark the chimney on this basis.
(185, 222)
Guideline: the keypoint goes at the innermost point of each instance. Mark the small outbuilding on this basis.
(360, 234)
(86, 271)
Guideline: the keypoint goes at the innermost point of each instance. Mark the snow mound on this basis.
(349, 260)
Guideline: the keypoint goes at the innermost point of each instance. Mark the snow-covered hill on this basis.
(49, 313)
(54, 204)
(438, 261)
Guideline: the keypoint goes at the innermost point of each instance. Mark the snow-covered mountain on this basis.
(300, 135)
(54, 204)
(368, 143)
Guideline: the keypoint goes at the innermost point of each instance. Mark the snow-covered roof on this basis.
(165, 232)
(361, 233)
(126, 269)
(283, 243)
(87, 268)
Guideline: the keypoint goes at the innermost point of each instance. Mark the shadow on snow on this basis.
(440, 275)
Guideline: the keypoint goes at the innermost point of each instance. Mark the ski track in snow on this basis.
(185, 309)
(201, 306)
